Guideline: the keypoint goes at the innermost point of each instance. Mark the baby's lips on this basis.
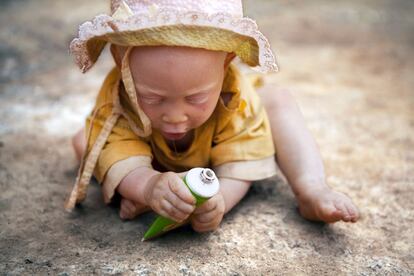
(173, 135)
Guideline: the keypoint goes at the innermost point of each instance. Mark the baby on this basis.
(175, 101)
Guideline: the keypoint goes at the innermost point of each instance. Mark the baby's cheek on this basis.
(154, 118)
(201, 114)
(152, 112)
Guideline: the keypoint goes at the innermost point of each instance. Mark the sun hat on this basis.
(213, 25)
(216, 25)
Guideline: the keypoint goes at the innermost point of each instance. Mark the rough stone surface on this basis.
(348, 63)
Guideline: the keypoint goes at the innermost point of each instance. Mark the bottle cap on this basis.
(202, 182)
(207, 176)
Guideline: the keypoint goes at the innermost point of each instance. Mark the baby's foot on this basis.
(328, 206)
(130, 209)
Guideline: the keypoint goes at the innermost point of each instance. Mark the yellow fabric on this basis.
(122, 142)
(247, 170)
(118, 171)
(236, 131)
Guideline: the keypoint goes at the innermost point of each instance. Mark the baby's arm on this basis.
(133, 185)
(164, 193)
(208, 216)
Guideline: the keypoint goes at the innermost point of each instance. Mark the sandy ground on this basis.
(350, 66)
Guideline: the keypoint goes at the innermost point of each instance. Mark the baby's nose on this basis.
(175, 118)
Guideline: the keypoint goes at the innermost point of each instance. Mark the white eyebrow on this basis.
(161, 93)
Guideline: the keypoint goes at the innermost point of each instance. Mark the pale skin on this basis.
(178, 89)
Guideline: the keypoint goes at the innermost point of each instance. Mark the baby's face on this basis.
(177, 87)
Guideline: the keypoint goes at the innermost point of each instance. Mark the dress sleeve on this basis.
(242, 145)
(123, 151)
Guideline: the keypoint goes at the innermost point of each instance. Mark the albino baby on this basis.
(179, 89)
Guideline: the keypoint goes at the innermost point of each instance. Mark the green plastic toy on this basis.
(203, 184)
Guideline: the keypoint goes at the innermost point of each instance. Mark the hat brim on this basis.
(218, 33)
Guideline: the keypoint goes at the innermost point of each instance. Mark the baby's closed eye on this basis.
(151, 99)
(198, 98)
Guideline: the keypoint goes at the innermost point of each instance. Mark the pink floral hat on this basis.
(214, 25)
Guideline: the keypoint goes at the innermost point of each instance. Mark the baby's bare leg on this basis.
(79, 144)
(299, 159)
(128, 208)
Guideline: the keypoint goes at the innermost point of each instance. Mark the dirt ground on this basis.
(350, 65)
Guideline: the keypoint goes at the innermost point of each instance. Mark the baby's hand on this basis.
(208, 216)
(168, 196)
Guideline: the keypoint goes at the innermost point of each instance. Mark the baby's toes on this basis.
(346, 214)
(127, 209)
(329, 213)
(131, 209)
(352, 211)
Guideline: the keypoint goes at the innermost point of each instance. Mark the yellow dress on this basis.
(235, 141)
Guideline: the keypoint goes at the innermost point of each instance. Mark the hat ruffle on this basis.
(93, 35)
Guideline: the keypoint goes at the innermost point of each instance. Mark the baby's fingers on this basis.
(209, 216)
(179, 203)
(178, 187)
(206, 226)
(207, 206)
(169, 211)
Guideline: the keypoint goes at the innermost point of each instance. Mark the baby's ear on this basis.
(229, 58)
(118, 53)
